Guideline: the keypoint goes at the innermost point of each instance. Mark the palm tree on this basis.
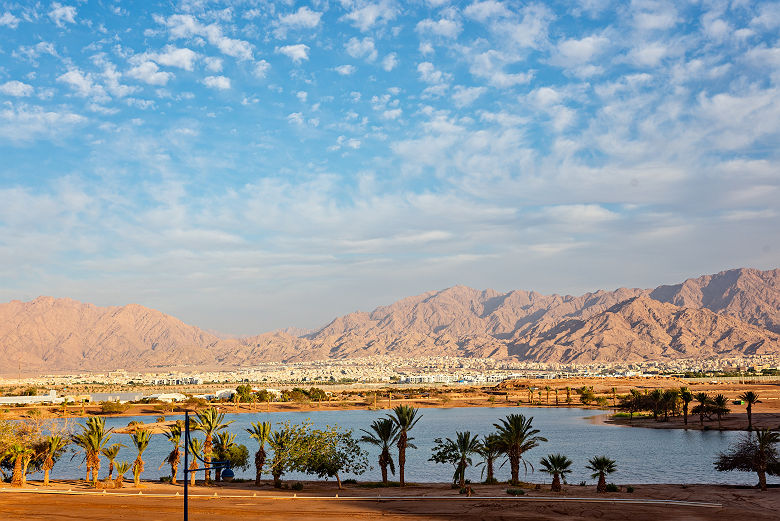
(656, 398)
(173, 458)
(121, 469)
(260, 432)
(92, 439)
(465, 446)
(224, 441)
(517, 436)
(568, 394)
(195, 448)
(557, 465)
(17, 452)
(111, 453)
(753, 454)
(548, 389)
(703, 407)
(385, 433)
(601, 466)
(750, 398)
(720, 406)
(141, 439)
(669, 402)
(405, 419)
(53, 447)
(490, 450)
(687, 397)
(210, 421)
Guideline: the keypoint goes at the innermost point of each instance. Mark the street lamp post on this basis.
(213, 465)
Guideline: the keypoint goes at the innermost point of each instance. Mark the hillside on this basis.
(727, 314)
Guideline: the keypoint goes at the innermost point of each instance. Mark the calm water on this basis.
(642, 455)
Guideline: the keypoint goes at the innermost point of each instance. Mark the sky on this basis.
(253, 165)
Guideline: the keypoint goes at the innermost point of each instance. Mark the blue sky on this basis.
(252, 165)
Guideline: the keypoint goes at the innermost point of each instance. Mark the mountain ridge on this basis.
(730, 313)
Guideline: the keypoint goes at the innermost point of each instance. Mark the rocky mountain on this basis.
(730, 313)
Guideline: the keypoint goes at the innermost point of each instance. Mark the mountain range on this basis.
(731, 313)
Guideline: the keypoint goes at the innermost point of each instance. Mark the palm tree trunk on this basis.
(174, 471)
(207, 446)
(193, 466)
(602, 486)
(259, 461)
(25, 462)
(762, 480)
(401, 463)
(383, 466)
(16, 480)
(556, 483)
(338, 480)
(750, 416)
(489, 464)
(277, 479)
(45, 477)
(514, 464)
(685, 414)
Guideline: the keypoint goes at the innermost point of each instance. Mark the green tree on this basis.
(558, 466)
(174, 457)
(334, 451)
(687, 397)
(490, 450)
(54, 447)
(195, 449)
(244, 393)
(260, 432)
(750, 398)
(92, 439)
(111, 453)
(753, 453)
(601, 466)
(383, 434)
(210, 421)
(517, 436)
(720, 407)
(289, 445)
(16, 453)
(141, 439)
(405, 417)
(457, 452)
(121, 469)
(704, 406)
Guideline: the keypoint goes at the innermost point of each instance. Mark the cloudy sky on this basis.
(250, 165)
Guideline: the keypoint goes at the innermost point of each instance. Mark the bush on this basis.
(113, 407)
(515, 491)
(611, 487)
(582, 483)
(165, 479)
(297, 486)
(630, 489)
(350, 481)
(491, 481)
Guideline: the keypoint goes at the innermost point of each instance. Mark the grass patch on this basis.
(515, 491)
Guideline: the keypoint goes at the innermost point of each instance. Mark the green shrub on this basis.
(113, 407)
(350, 481)
(165, 479)
(611, 487)
(297, 486)
(630, 489)
(515, 491)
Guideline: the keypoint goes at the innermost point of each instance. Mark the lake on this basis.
(642, 455)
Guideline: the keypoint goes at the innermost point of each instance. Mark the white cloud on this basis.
(9, 20)
(171, 56)
(444, 27)
(429, 73)
(187, 26)
(62, 14)
(392, 114)
(217, 82)
(261, 69)
(303, 18)
(296, 53)
(489, 65)
(361, 48)
(16, 88)
(655, 16)
(24, 123)
(649, 54)
(345, 70)
(84, 84)
(213, 64)
(465, 96)
(296, 118)
(366, 15)
(302, 96)
(483, 11)
(390, 62)
(149, 72)
(582, 50)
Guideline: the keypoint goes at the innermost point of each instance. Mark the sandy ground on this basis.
(429, 502)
